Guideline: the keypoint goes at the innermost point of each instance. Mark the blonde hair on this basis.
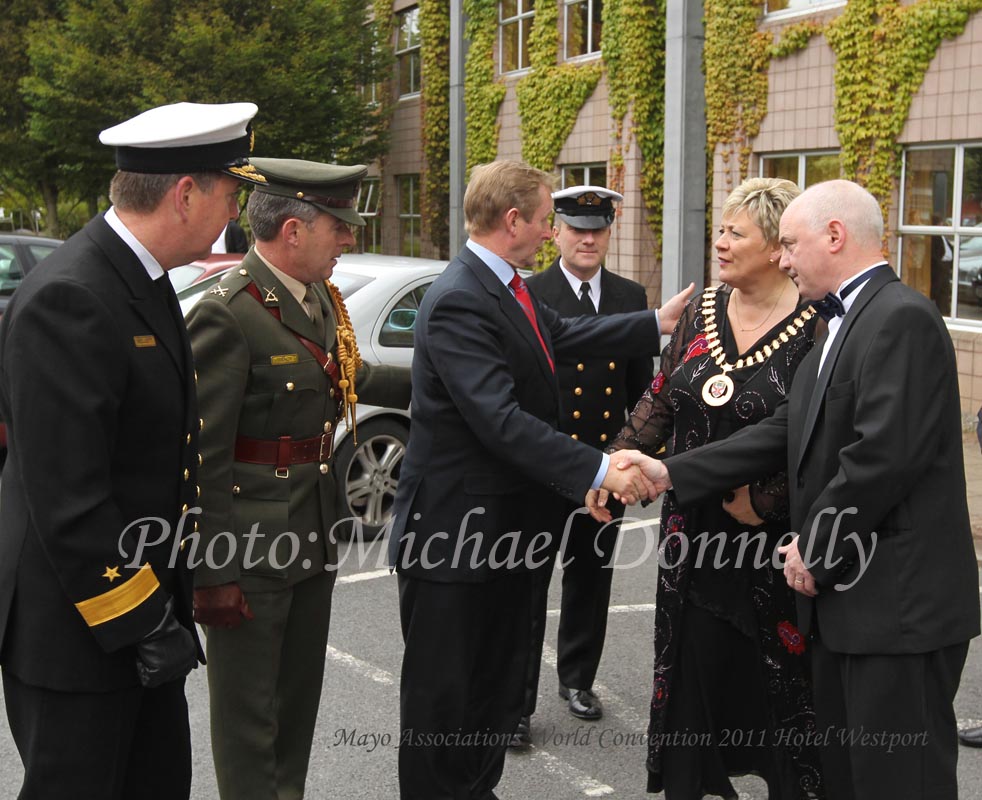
(496, 187)
(764, 200)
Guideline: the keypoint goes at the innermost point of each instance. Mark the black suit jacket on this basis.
(484, 454)
(595, 391)
(877, 432)
(97, 390)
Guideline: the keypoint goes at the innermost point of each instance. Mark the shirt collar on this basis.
(850, 298)
(291, 284)
(501, 268)
(575, 283)
(150, 264)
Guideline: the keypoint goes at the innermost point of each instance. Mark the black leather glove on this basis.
(167, 653)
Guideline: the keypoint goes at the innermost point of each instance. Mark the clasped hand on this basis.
(631, 476)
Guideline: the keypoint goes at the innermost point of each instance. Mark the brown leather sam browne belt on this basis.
(284, 451)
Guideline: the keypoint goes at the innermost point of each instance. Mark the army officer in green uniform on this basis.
(278, 369)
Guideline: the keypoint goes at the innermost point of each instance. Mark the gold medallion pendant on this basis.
(718, 390)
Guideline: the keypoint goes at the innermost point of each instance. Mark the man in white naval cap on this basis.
(594, 394)
(96, 631)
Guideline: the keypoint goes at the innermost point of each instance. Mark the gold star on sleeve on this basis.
(111, 573)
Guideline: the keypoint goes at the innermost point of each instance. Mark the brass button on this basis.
(187, 473)
(608, 391)
(574, 436)
(195, 526)
(201, 424)
(197, 491)
(184, 509)
(189, 438)
(577, 391)
(576, 415)
(184, 543)
(580, 368)
(327, 427)
(606, 415)
(603, 437)
(196, 376)
(290, 386)
(612, 366)
(331, 392)
(200, 460)
(325, 468)
(236, 489)
(243, 272)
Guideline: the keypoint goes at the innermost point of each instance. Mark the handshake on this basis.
(631, 476)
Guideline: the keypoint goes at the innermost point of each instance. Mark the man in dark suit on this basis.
(883, 560)
(595, 394)
(278, 368)
(98, 395)
(483, 481)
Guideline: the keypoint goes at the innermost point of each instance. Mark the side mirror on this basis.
(402, 319)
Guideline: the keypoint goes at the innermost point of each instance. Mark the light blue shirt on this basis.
(505, 272)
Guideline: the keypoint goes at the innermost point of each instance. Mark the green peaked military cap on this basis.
(329, 187)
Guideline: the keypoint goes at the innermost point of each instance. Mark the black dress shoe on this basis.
(583, 703)
(522, 737)
(971, 737)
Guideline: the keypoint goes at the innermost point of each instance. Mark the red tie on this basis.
(522, 295)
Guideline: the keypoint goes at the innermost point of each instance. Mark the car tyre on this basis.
(367, 476)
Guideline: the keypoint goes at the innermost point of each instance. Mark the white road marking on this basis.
(634, 524)
(628, 609)
(363, 668)
(556, 766)
(364, 576)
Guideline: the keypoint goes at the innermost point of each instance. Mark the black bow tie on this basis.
(830, 306)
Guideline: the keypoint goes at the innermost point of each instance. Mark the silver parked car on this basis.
(382, 294)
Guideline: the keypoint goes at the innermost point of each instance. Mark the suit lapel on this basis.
(877, 281)
(611, 299)
(511, 309)
(145, 298)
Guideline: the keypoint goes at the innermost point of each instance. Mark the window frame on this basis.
(802, 156)
(413, 217)
(524, 19)
(953, 233)
(593, 48)
(587, 167)
(410, 54)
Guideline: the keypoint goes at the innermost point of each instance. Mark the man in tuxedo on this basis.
(98, 395)
(482, 484)
(595, 394)
(883, 560)
(278, 370)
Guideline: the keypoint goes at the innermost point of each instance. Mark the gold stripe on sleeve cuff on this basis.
(121, 600)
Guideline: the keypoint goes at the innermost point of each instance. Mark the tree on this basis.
(101, 61)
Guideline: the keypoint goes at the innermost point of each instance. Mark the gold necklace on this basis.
(736, 308)
(718, 390)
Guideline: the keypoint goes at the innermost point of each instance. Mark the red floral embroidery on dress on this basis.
(659, 693)
(697, 347)
(791, 638)
(657, 383)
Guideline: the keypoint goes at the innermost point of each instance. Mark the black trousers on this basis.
(586, 552)
(888, 722)
(130, 744)
(467, 649)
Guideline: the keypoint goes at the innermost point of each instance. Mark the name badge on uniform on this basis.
(289, 358)
(145, 341)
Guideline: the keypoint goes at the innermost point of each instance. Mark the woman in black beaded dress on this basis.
(731, 692)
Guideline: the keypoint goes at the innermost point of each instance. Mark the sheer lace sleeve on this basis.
(652, 422)
(769, 497)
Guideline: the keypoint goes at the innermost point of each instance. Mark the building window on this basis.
(407, 52)
(369, 202)
(584, 175)
(582, 27)
(940, 235)
(799, 6)
(804, 169)
(514, 24)
(409, 216)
